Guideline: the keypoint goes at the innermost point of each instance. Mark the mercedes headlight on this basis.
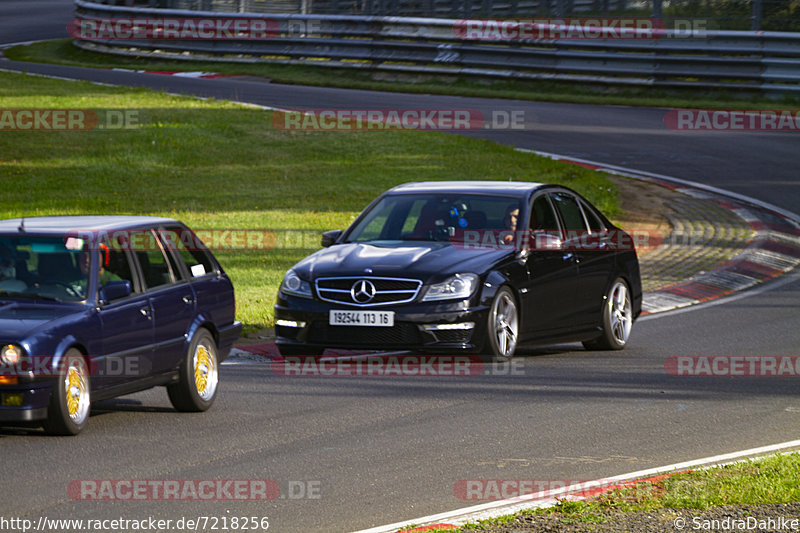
(458, 287)
(292, 284)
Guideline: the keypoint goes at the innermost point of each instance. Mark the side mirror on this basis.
(329, 237)
(114, 290)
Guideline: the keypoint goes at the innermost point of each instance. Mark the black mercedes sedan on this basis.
(477, 266)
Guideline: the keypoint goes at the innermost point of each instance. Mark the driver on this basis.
(510, 222)
(84, 262)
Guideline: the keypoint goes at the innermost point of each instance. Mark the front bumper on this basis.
(415, 326)
(35, 397)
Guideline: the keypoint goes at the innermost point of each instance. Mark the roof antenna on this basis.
(21, 227)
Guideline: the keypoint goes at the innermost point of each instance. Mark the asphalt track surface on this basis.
(380, 450)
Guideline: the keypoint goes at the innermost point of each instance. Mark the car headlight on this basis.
(10, 354)
(460, 286)
(292, 284)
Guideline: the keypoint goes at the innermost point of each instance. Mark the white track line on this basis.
(543, 499)
(3, 46)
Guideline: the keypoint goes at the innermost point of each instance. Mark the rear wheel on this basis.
(70, 401)
(617, 319)
(502, 325)
(196, 388)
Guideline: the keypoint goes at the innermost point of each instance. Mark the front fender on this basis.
(490, 286)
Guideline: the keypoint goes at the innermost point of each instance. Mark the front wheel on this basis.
(502, 325)
(196, 388)
(617, 319)
(70, 400)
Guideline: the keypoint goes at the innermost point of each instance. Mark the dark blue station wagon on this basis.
(94, 307)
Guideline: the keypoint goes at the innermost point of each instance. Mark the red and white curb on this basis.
(774, 249)
(581, 491)
(190, 74)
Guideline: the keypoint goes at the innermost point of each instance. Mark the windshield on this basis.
(434, 217)
(52, 268)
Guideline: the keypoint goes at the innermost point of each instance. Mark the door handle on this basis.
(146, 313)
(188, 299)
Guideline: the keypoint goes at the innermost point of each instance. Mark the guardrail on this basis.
(736, 60)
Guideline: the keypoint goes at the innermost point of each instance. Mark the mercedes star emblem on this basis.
(363, 291)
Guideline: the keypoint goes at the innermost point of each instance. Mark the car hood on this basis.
(416, 259)
(19, 319)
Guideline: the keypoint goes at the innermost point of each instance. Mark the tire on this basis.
(616, 320)
(198, 380)
(70, 401)
(289, 349)
(502, 326)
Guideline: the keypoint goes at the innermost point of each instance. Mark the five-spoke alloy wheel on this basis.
(503, 325)
(617, 319)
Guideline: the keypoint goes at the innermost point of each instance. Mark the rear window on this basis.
(188, 246)
(570, 211)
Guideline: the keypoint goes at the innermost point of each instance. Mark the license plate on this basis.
(383, 319)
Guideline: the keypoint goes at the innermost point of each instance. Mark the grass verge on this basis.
(63, 52)
(769, 480)
(217, 165)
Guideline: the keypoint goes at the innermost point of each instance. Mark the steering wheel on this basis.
(69, 288)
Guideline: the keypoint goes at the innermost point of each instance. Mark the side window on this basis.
(156, 269)
(570, 212)
(595, 225)
(114, 263)
(543, 219)
(193, 252)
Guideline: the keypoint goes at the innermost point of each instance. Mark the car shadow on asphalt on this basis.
(126, 405)
(116, 405)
